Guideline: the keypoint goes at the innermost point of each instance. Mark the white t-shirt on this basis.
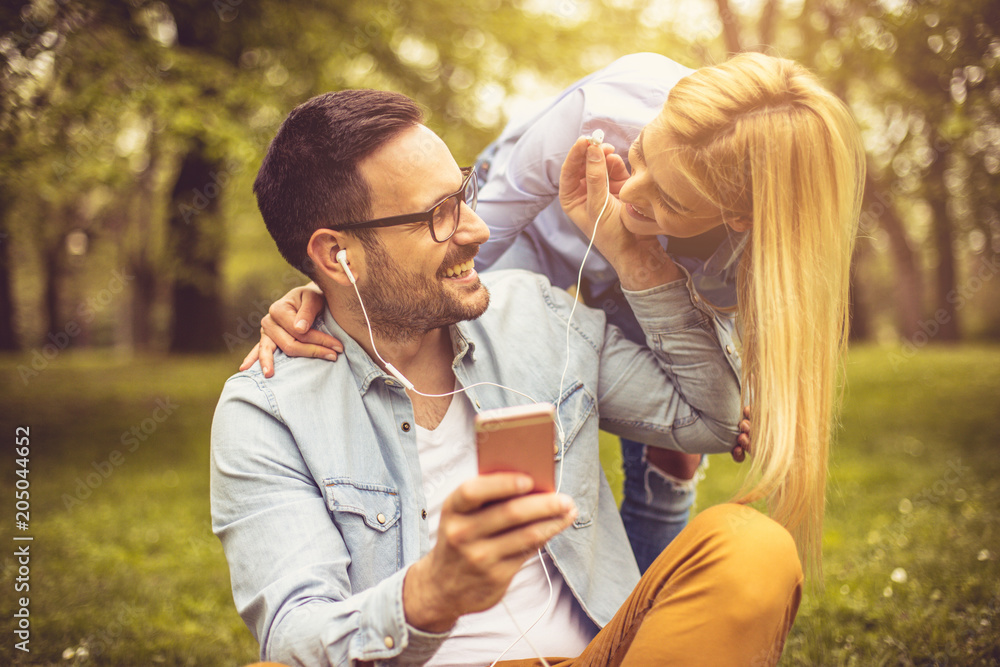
(447, 458)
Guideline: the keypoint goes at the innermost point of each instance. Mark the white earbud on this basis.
(342, 259)
(597, 138)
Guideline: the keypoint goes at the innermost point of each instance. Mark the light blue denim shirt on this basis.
(316, 484)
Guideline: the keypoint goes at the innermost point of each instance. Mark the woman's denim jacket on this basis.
(316, 484)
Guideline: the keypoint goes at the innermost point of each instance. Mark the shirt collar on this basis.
(362, 367)
(365, 370)
(462, 342)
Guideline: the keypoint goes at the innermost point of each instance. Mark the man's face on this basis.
(405, 283)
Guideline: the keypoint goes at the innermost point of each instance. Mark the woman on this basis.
(519, 200)
(758, 146)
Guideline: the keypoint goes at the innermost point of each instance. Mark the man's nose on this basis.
(471, 228)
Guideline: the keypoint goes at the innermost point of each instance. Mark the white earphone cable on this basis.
(569, 320)
(524, 633)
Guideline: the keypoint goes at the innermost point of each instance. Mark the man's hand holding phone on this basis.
(490, 525)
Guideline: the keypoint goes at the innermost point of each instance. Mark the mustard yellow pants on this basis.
(723, 593)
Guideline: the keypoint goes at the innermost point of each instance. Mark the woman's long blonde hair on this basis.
(761, 138)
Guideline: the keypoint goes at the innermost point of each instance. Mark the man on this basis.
(346, 495)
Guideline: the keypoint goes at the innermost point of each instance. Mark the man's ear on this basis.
(324, 244)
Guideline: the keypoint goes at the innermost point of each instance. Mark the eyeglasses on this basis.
(442, 218)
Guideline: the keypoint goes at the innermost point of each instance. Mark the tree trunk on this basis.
(143, 297)
(767, 24)
(879, 210)
(860, 325)
(945, 315)
(195, 234)
(53, 279)
(139, 260)
(195, 242)
(8, 335)
(730, 26)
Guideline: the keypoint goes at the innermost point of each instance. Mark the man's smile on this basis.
(459, 270)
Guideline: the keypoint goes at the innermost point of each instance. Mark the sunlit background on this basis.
(130, 133)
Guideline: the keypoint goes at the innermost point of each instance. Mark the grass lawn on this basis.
(125, 570)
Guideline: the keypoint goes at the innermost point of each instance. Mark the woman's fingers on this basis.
(311, 307)
(288, 325)
(312, 343)
(573, 188)
(251, 357)
(597, 181)
(742, 447)
(267, 348)
(285, 313)
(296, 310)
(617, 172)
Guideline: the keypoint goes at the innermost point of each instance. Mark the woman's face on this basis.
(658, 199)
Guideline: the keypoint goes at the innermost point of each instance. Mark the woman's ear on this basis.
(324, 244)
(738, 223)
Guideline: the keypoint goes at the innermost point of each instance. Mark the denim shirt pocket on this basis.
(368, 518)
(576, 407)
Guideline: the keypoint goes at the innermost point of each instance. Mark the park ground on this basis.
(124, 569)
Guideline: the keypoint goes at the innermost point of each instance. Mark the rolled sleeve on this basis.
(683, 334)
(682, 392)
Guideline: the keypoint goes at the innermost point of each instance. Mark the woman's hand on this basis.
(287, 325)
(582, 191)
(591, 176)
(742, 447)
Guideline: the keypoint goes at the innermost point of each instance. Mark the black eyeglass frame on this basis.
(469, 175)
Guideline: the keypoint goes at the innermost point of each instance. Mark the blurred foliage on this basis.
(103, 101)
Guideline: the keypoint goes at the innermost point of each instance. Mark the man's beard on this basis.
(404, 306)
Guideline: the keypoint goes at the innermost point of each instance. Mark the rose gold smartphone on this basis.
(519, 439)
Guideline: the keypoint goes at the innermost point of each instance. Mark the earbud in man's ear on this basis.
(342, 260)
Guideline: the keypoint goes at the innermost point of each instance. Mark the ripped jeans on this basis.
(655, 507)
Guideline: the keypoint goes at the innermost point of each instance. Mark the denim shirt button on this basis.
(381, 519)
(423, 514)
(389, 643)
(729, 349)
(406, 427)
